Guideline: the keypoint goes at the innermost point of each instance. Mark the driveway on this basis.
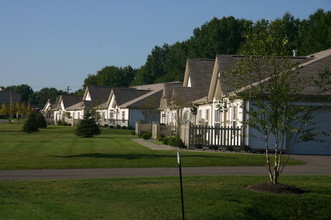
(315, 165)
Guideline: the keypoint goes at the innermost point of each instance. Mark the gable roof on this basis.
(198, 72)
(167, 94)
(124, 95)
(185, 96)
(224, 64)
(196, 83)
(150, 100)
(67, 100)
(98, 94)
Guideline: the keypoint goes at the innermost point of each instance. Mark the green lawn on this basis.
(206, 197)
(57, 147)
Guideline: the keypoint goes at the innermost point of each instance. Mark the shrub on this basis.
(123, 127)
(141, 134)
(160, 137)
(165, 140)
(245, 148)
(230, 148)
(146, 135)
(133, 132)
(176, 142)
(105, 126)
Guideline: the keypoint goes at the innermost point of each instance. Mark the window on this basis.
(78, 115)
(235, 113)
(123, 115)
(207, 114)
(200, 114)
(217, 116)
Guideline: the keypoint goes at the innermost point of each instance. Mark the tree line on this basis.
(227, 35)
(37, 98)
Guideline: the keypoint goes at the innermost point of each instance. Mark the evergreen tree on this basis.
(31, 125)
(87, 126)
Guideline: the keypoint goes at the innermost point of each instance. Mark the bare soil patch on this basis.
(268, 187)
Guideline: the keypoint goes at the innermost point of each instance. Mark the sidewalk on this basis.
(153, 146)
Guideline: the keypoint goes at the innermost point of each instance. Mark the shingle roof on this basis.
(124, 95)
(68, 100)
(227, 62)
(199, 71)
(309, 68)
(99, 94)
(185, 96)
(198, 75)
(150, 100)
(167, 93)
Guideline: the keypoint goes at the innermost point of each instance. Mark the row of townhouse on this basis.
(114, 106)
(201, 99)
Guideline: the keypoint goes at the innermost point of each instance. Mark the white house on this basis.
(177, 101)
(126, 106)
(63, 102)
(231, 113)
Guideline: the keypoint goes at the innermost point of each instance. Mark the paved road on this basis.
(315, 165)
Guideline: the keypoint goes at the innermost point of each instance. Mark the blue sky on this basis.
(47, 43)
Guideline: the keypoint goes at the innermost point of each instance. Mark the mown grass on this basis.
(206, 197)
(57, 148)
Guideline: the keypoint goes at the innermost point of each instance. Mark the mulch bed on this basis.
(275, 188)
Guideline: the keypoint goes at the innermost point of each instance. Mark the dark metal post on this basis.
(181, 184)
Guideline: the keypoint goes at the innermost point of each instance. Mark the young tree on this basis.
(272, 84)
(24, 110)
(18, 110)
(88, 126)
(4, 111)
(12, 110)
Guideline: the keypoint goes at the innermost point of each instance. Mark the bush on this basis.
(141, 134)
(146, 135)
(123, 127)
(165, 140)
(229, 148)
(133, 132)
(160, 137)
(105, 126)
(245, 148)
(174, 142)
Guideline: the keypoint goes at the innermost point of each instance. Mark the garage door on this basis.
(323, 124)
